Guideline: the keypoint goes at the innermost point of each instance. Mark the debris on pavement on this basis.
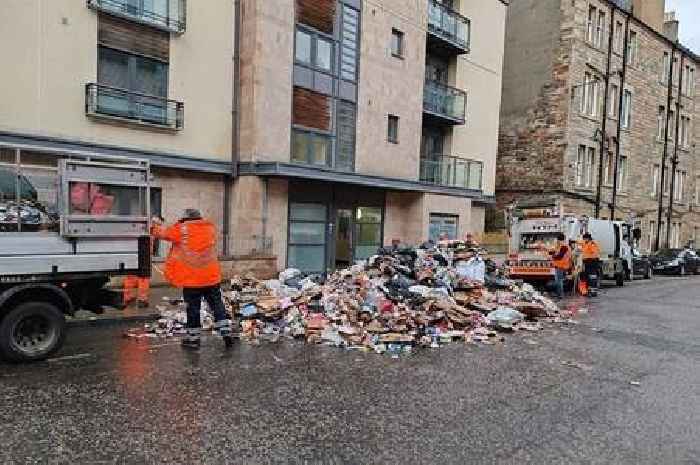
(396, 301)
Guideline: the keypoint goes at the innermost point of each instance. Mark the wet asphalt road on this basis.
(564, 395)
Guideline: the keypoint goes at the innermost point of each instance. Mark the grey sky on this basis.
(688, 13)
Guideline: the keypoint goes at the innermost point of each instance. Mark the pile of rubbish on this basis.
(394, 302)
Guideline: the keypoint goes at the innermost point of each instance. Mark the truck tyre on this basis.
(649, 273)
(620, 279)
(31, 331)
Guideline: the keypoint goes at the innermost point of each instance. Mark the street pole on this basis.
(662, 182)
(603, 136)
(623, 75)
(674, 160)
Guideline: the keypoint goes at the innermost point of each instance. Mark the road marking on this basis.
(69, 357)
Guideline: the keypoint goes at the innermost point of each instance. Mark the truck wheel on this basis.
(620, 279)
(649, 273)
(31, 331)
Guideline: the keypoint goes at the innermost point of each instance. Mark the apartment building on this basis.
(365, 122)
(600, 111)
(311, 131)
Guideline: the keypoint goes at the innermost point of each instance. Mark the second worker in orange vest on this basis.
(561, 259)
(192, 265)
(590, 253)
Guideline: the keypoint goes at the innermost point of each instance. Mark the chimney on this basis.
(650, 12)
(671, 26)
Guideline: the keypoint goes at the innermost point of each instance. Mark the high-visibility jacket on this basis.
(590, 250)
(192, 261)
(561, 258)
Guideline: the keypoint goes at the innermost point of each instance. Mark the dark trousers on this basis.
(592, 267)
(193, 298)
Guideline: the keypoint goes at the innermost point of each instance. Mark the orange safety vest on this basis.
(192, 261)
(563, 263)
(590, 250)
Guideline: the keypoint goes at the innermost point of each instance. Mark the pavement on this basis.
(620, 387)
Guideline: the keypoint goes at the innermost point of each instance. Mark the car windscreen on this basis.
(667, 253)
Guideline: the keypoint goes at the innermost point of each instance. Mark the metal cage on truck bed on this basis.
(72, 213)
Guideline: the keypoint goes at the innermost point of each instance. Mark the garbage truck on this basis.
(69, 222)
(533, 227)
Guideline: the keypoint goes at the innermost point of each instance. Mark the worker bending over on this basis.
(192, 265)
(561, 260)
(590, 253)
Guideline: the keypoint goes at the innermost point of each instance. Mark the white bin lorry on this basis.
(68, 223)
(533, 228)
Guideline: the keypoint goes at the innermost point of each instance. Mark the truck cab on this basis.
(68, 223)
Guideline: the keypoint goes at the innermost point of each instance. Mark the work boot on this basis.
(192, 339)
(224, 328)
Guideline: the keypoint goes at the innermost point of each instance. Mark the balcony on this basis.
(443, 104)
(446, 170)
(167, 15)
(133, 107)
(448, 31)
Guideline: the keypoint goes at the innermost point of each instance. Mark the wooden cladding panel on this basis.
(319, 14)
(311, 109)
(133, 37)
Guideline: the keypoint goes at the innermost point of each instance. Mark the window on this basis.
(665, 67)
(679, 186)
(585, 164)
(690, 83)
(613, 100)
(314, 50)
(655, 176)
(671, 125)
(652, 234)
(590, 95)
(600, 29)
(697, 191)
(617, 37)
(608, 168)
(392, 134)
(626, 109)
(307, 237)
(667, 181)
(660, 122)
(310, 148)
(134, 73)
(632, 48)
(443, 224)
(396, 43)
(622, 173)
(684, 138)
(590, 31)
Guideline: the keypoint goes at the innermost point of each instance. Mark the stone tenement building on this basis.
(557, 56)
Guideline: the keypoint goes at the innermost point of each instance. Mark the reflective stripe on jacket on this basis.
(562, 258)
(192, 261)
(590, 250)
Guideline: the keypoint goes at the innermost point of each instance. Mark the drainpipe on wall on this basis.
(235, 145)
(662, 181)
(603, 129)
(620, 102)
(674, 160)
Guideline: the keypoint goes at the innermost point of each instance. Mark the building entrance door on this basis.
(343, 237)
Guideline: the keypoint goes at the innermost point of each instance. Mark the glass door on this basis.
(368, 232)
(306, 249)
(343, 238)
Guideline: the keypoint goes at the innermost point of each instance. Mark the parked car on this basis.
(675, 261)
(641, 265)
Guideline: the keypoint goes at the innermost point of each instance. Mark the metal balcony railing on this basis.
(445, 101)
(448, 25)
(169, 15)
(111, 102)
(446, 170)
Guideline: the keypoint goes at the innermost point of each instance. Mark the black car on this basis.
(675, 261)
(641, 265)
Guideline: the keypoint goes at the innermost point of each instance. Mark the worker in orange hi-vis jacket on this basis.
(192, 265)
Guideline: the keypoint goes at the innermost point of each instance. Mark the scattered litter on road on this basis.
(394, 302)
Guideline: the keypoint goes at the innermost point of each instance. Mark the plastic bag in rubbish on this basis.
(289, 273)
(473, 269)
(504, 317)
